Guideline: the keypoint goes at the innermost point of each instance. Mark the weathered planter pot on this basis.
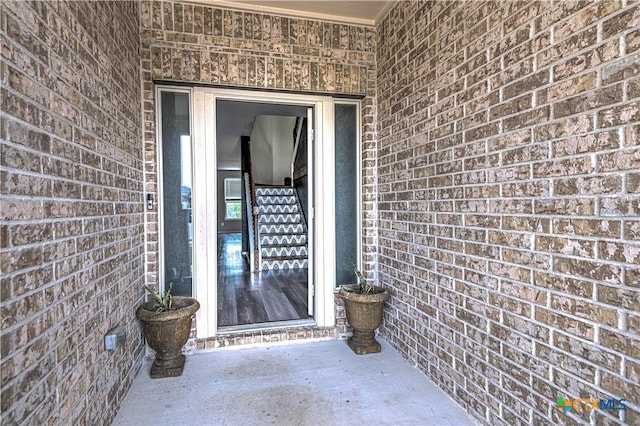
(364, 314)
(166, 333)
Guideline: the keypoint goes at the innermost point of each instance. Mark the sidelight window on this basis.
(347, 174)
(176, 188)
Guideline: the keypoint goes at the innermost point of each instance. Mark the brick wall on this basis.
(72, 237)
(509, 151)
(183, 42)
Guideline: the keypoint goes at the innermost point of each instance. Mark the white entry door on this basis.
(321, 219)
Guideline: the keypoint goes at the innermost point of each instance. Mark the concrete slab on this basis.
(316, 383)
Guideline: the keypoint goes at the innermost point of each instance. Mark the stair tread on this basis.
(276, 205)
(299, 222)
(294, 213)
(293, 219)
(280, 223)
(271, 252)
(275, 234)
(280, 258)
(271, 237)
(284, 245)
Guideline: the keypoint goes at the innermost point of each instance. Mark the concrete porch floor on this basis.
(315, 383)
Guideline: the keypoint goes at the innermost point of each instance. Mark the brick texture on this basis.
(508, 158)
(501, 190)
(72, 235)
(184, 42)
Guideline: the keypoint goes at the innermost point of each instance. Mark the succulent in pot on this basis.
(166, 321)
(364, 305)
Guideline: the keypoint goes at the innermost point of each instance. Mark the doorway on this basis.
(263, 229)
(199, 204)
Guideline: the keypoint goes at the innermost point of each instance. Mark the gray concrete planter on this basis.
(166, 333)
(364, 315)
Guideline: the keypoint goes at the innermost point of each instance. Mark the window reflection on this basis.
(177, 185)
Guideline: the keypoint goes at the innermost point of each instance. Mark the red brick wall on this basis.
(509, 202)
(72, 240)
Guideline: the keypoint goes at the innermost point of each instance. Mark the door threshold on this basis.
(266, 326)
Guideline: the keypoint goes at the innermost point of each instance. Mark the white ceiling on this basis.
(361, 12)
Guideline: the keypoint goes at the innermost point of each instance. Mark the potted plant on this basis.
(166, 320)
(363, 304)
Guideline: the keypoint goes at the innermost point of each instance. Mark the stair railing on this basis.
(249, 204)
(297, 131)
(252, 213)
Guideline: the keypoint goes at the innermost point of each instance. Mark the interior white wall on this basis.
(272, 148)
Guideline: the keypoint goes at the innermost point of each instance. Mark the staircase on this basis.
(282, 232)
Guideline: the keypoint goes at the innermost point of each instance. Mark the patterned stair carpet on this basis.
(281, 229)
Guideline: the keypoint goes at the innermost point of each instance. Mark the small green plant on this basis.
(364, 287)
(164, 301)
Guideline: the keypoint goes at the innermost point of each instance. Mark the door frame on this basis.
(322, 278)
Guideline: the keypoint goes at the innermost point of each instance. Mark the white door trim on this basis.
(311, 135)
(325, 227)
(205, 211)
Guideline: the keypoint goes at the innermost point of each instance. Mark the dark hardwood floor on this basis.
(259, 297)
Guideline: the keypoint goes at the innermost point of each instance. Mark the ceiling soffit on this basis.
(359, 12)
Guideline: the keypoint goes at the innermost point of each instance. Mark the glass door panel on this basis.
(177, 185)
(347, 191)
